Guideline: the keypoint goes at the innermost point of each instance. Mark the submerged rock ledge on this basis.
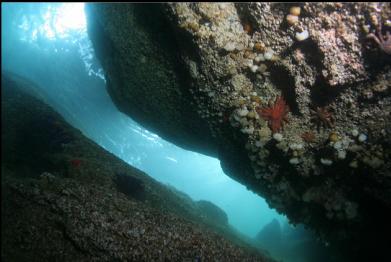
(63, 199)
(294, 99)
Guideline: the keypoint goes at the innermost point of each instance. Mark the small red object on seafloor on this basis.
(75, 162)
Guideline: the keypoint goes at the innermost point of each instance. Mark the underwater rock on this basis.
(140, 41)
(270, 234)
(213, 212)
(335, 68)
(295, 243)
(82, 212)
(130, 186)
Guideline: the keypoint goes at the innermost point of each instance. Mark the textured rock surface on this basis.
(329, 167)
(61, 200)
(157, 76)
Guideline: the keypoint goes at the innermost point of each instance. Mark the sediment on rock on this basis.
(65, 198)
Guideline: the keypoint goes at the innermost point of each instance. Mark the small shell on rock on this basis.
(247, 54)
(258, 144)
(342, 154)
(296, 146)
(251, 114)
(362, 137)
(269, 54)
(239, 47)
(254, 68)
(294, 161)
(295, 10)
(277, 137)
(366, 28)
(302, 36)
(259, 58)
(229, 47)
(292, 19)
(326, 162)
(333, 137)
(256, 99)
(248, 130)
(242, 112)
(338, 145)
(354, 132)
(259, 47)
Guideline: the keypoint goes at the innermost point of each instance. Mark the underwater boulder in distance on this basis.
(299, 114)
(130, 186)
(213, 212)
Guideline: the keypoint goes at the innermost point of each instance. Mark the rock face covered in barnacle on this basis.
(329, 166)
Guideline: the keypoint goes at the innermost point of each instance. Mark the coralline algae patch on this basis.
(308, 137)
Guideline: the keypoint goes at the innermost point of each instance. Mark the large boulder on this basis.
(213, 212)
(294, 99)
(270, 234)
(294, 243)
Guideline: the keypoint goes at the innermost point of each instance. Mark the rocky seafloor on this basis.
(64, 198)
(293, 98)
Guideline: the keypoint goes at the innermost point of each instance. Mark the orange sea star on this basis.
(275, 114)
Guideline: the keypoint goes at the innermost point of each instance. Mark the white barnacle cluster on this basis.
(257, 62)
(341, 146)
(372, 156)
(338, 207)
(257, 155)
(278, 137)
(257, 65)
(293, 148)
(346, 143)
(243, 117)
(293, 19)
(297, 150)
(369, 155)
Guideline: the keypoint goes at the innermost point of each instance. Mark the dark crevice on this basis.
(287, 86)
(246, 19)
(322, 94)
